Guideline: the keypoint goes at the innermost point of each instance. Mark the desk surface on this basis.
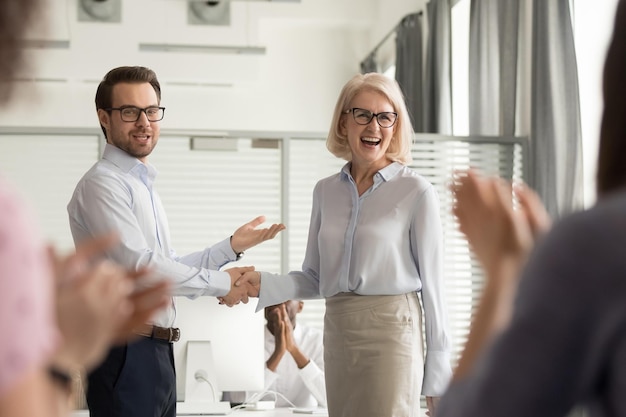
(278, 412)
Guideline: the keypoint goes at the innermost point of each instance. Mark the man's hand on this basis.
(287, 329)
(248, 236)
(276, 322)
(281, 326)
(239, 291)
(252, 281)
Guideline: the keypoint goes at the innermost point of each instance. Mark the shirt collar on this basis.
(127, 163)
(385, 173)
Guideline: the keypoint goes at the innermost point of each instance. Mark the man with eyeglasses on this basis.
(117, 194)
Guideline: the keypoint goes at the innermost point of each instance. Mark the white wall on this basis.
(312, 48)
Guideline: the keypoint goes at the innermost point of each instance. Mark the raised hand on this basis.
(280, 325)
(238, 291)
(485, 213)
(287, 329)
(277, 326)
(277, 316)
(536, 214)
(248, 235)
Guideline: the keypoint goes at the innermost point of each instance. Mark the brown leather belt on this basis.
(169, 334)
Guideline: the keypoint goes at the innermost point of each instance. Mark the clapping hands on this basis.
(281, 323)
(282, 328)
(98, 303)
(495, 231)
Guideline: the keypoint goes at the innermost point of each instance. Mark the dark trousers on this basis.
(135, 380)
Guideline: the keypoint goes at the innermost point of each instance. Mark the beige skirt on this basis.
(373, 355)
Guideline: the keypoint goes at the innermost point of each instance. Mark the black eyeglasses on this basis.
(364, 117)
(132, 113)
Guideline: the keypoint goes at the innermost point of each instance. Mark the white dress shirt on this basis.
(304, 387)
(117, 195)
(386, 241)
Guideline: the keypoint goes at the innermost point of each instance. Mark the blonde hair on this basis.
(400, 147)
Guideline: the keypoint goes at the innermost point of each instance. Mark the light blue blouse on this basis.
(386, 241)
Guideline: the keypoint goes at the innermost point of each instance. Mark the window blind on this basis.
(45, 169)
(208, 193)
(436, 158)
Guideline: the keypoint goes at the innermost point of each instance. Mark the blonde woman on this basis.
(374, 244)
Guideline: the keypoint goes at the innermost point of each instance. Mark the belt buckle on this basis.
(174, 334)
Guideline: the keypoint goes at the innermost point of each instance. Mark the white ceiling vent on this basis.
(216, 12)
(100, 11)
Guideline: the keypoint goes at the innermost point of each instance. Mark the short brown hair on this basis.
(15, 17)
(104, 93)
(400, 147)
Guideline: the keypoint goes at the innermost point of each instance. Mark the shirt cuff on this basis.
(310, 371)
(220, 283)
(222, 253)
(274, 290)
(270, 378)
(437, 373)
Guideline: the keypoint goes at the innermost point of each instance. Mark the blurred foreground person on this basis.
(59, 314)
(554, 337)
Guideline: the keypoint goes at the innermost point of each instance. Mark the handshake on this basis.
(245, 283)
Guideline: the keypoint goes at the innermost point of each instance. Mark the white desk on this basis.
(278, 412)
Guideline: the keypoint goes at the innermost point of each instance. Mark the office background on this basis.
(269, 77)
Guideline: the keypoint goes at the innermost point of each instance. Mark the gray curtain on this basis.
(493, 60)
(555, 108)
(369, 64)
(409, 64)
(437, 101)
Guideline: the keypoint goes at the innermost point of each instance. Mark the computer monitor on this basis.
(236, 336)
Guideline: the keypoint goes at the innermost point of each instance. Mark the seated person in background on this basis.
(295, 360)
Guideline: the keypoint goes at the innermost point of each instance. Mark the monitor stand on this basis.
(203, 408)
